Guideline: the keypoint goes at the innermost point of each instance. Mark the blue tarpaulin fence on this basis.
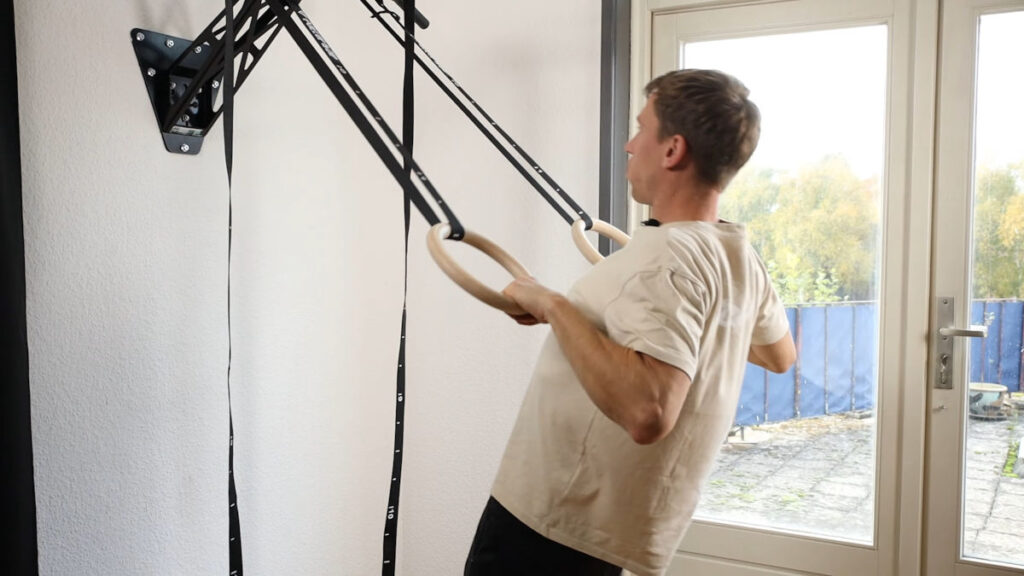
(998, 358)
(837, 363)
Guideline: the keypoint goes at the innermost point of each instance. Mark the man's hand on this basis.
(533, 297)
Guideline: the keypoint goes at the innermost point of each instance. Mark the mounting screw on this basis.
(151, 72)
(174, 85)
(198, 49)
(184, 148)
(140, 36)
(215, 84)
(185, 118)
(169, 43)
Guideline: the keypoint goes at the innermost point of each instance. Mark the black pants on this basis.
(504, 546)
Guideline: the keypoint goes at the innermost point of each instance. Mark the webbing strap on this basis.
(465, 102)
(369, 121)
(403, 173)
(228, 105)
(408, 137)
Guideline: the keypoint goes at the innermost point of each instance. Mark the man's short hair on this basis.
(711, 111)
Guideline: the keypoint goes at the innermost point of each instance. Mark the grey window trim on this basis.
(615, 62)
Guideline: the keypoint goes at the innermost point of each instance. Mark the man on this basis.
(637, 385)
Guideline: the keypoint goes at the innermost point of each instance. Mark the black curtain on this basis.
(17, 498)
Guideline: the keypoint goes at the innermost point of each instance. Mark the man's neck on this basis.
(683, 207)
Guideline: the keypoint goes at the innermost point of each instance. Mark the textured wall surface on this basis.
(126, 252)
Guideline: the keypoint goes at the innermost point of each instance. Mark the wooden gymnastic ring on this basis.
(435, 240)
(601, 227)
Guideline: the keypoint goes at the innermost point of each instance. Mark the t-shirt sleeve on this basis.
(659, 313)
(771, 324)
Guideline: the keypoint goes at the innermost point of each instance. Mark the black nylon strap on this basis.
(368, 122)
(465, 102)
(228, 106)
(390, 544)
(18, 549)
(284, 10)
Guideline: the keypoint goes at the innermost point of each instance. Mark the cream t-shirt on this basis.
(692, 294)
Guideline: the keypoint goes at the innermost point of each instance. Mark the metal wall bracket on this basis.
(168, 72)
(183, 77)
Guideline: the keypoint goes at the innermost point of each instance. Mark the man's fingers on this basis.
(524, 319)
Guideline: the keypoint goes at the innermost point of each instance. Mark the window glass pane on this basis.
(993, 498)
(801, 457)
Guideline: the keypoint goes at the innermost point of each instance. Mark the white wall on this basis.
(126, 254)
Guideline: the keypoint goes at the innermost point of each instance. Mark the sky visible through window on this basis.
(824, 92)
(1000, 116)
(820, 93)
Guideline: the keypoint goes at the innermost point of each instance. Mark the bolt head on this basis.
(139, 36)
(174, 85)
(198, 49)
(185, 118)
(169, 43)
(151, 72)
(215, 84)
(184, 148)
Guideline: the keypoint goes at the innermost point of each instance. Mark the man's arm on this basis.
(640, 393)
(777, 357)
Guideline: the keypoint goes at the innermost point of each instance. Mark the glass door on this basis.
(975, 496)
(804, 482)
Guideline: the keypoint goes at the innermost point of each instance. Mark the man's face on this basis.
(646, 153)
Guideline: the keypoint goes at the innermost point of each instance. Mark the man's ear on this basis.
(675, 152)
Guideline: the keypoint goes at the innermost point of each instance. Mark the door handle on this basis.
(942, 349)
(972, 331)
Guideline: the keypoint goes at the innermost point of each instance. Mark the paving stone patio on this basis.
(994, 519)
(816, 476)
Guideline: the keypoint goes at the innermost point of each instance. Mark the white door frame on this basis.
(954, 188)
(906, 284)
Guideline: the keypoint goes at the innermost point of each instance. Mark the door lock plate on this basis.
(942, 359)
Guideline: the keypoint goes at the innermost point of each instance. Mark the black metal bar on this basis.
(421, 20)
(615, 69)
(246, 49)
(215, 63)
(211, 38)
(18, 499)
